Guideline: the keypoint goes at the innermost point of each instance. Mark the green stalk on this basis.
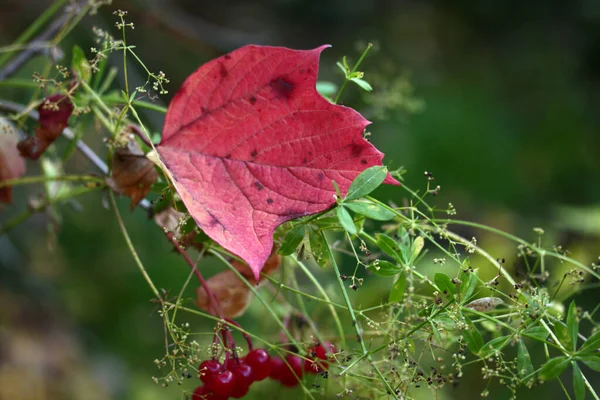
(346, 80)
(365, 353)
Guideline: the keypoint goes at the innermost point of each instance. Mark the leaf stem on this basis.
(213, 301)
(41, 179)
(132, 249)
(365, 352)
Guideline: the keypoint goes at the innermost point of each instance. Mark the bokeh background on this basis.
(499, 99)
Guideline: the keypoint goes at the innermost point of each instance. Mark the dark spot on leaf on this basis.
(282, 87)
(269, 201)
(305, 160)
(252, 100)
(258, 185)
(309, 70)
(356, 149)
(320, 176)
(363, 161)
(227, 57)
(310, 153)
(302, 70)
(204, 110)
(223, 71)
(254, 153)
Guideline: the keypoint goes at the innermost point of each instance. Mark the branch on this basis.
(83, 148)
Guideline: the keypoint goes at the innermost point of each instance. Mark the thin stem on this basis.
(346, 80)
(132, 249)
(365, 352)
(42, 179)
(255, 292)
(323, 292)
(16, 220)
(213, 301)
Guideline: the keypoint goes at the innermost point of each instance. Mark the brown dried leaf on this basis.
(232, 293)
(11, 164)
(132, 173)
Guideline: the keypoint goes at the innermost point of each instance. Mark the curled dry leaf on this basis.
(249, 144)
(54, 113)
(132, 173)
(12, 165)
(485, 304)
(233, 294)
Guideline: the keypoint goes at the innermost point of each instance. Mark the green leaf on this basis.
(384, 268)
(444, 283)
(473, 337)
(366, 182)
(344, 70)
(538, 332)
(524, 365)
(592, 344)
(370, 210)
(494, 346)
(363, 84)
(397, 291)
(318, 247)
(469, 283)
(572, 324)
(578, 382)
(553, 368)
(292, 239)
(388, 246)
(346, 220)
(416, 248)
(345, 62)
(436, 333)
(327, 89)
(80, 64)
(562, 333)
(327, 223)
(591, 361)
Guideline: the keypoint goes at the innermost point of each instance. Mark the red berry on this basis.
(292, 372)
(204, 393)
(318, 351)
(260, 361)
(239, 391)
(243, 374)
(317, 358)
(222, 383)
(277, 366)
(208, 369)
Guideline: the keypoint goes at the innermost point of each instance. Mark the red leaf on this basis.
(249, 144)
(54, 114)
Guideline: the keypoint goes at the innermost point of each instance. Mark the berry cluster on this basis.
(232, 378)
(290, 371)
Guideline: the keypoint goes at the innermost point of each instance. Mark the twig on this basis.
(213, 301)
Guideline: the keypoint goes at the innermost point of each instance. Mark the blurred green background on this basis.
(499, 99)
